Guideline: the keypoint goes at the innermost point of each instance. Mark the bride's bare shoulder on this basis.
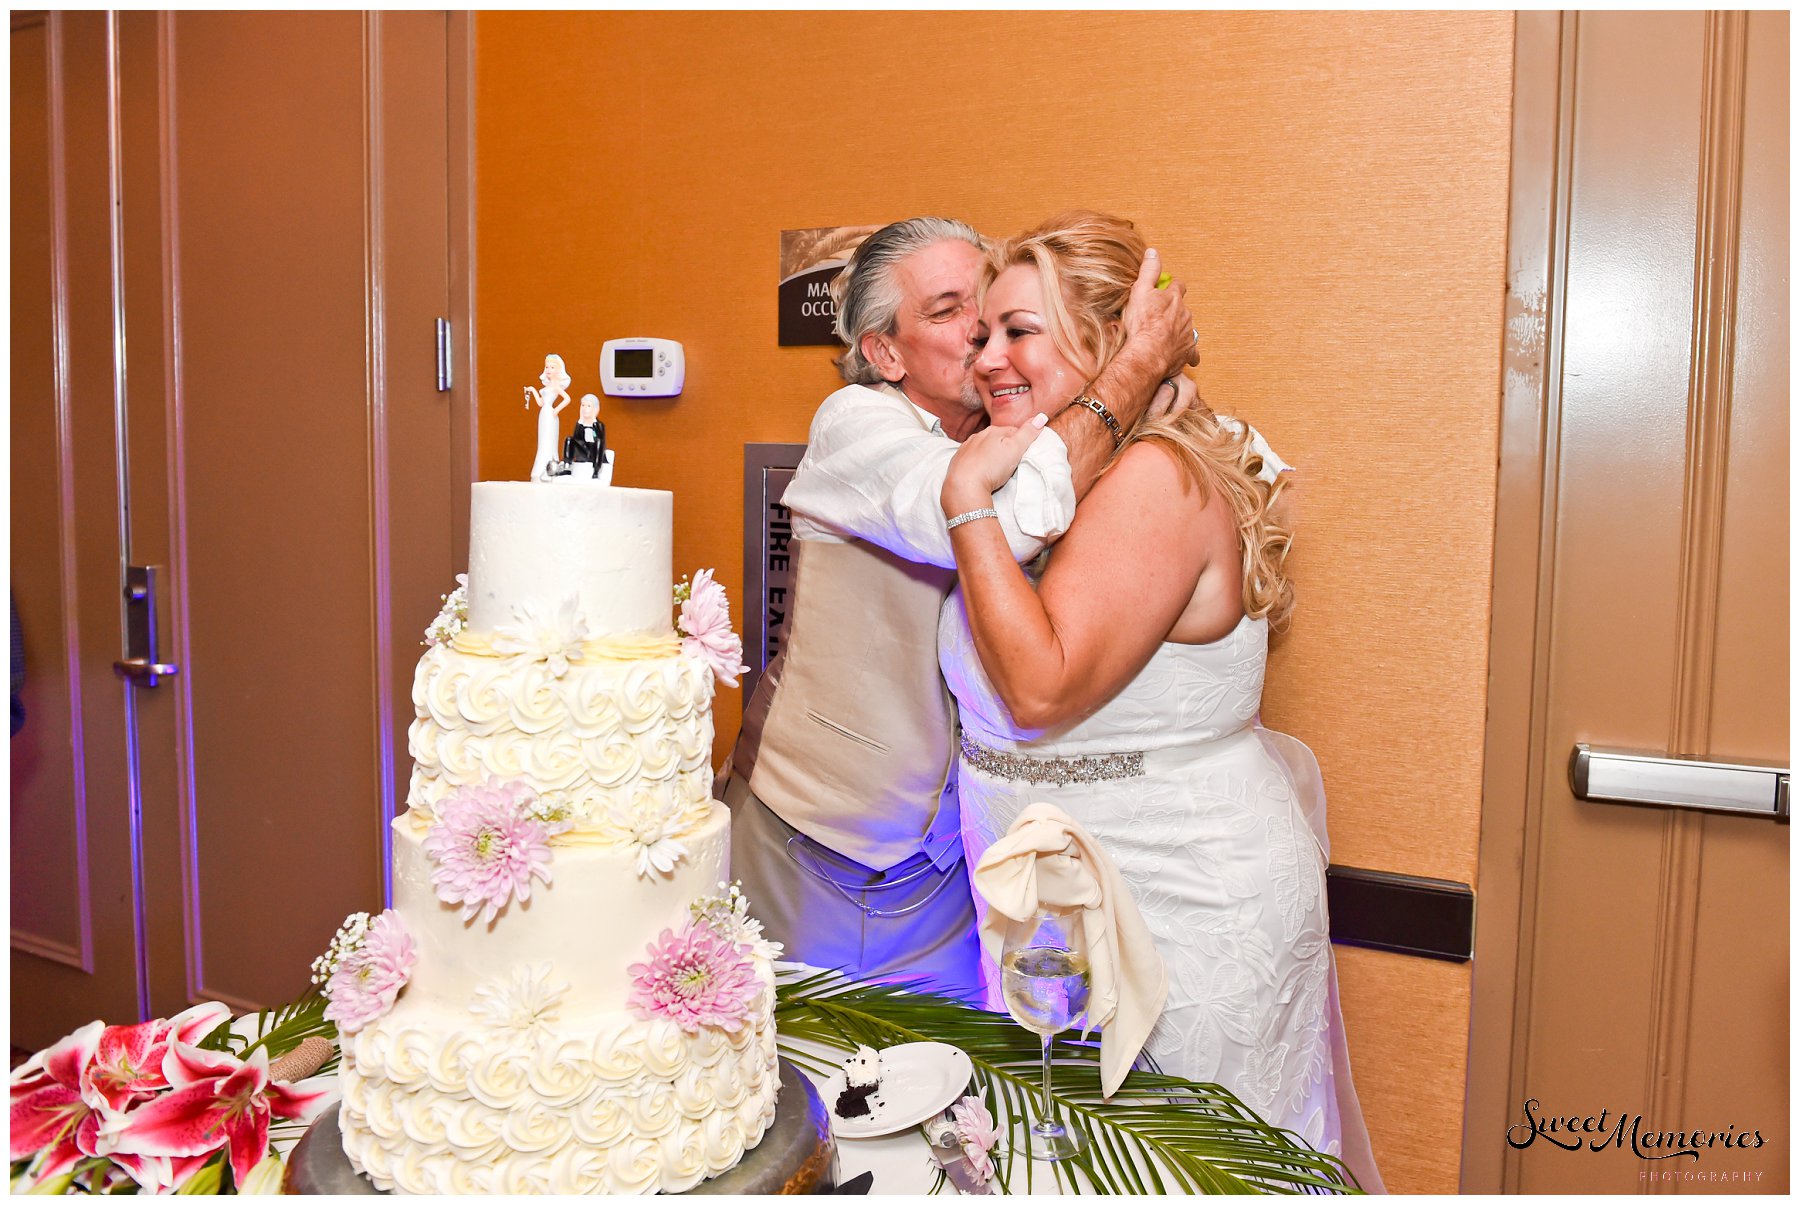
(1147, 478)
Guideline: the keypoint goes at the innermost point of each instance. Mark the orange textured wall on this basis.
(1333, 188)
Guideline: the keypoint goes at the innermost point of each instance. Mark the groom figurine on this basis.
(845, 829)
(587, 443)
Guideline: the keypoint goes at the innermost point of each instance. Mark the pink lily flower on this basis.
(49, 1118)
(215, 1099)
(127, 1066)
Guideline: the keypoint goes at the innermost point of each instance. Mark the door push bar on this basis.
(1741, 788)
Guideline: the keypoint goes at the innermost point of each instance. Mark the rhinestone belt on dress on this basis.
(1051, 771)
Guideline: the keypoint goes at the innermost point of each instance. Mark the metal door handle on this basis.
(144, 671)
(1742, 788)
(140, 664)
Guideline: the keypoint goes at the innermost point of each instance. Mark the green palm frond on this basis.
(1158, 1133)
(278, 1030)
(281, 1030)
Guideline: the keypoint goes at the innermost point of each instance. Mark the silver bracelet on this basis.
(969, 516)
(1106, 416)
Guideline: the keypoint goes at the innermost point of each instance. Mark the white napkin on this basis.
(1273, 465)
(1047, 860)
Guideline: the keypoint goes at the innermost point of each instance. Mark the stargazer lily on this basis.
(128, 1062)
(49, 1118)
(214, 1099)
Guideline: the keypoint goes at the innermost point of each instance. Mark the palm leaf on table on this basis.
(1158, 1133)
(277, 1030)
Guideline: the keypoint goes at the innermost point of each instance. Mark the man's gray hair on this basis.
(866, 295)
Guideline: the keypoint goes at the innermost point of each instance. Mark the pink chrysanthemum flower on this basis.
(706, 627)
(363, 985)
(976, 1130)
(694, 978)
(487, 848)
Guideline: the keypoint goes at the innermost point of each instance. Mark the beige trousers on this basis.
(911, 921)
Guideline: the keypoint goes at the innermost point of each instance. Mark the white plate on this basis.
(918, 1080)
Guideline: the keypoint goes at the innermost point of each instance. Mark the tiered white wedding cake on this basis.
(583, 1010)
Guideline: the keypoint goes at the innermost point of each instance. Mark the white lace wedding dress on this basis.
(1221, 837)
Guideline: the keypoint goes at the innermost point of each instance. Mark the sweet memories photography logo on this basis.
(1623, 1131)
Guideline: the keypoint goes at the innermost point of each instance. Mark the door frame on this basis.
(465, 410)
(1524, 517)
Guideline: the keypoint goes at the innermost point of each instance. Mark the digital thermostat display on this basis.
(635, 362)
(642, 367)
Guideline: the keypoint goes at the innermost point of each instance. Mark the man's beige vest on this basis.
(849, 734)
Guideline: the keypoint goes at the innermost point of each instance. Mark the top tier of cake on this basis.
(539, 542)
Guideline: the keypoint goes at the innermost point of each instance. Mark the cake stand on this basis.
(796, 1155)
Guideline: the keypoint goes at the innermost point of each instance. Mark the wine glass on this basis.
(1044, 980)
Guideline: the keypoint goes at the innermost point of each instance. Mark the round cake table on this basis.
(796, 1156)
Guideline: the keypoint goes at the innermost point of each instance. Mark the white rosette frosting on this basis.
(561, 1075)
(500, 1080)
(602, 1118)
(586, 738)
(684, 1158)
(635, 1163)
(644, 698)
(640, 1106)
(614, 762)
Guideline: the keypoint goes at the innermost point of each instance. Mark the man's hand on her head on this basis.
(1159, 341)
(1157, 322)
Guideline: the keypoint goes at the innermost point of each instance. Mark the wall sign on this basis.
(810, 261)
(768, 555)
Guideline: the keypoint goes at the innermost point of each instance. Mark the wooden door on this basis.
(282, 259)
(76, 874)
(1639, 962)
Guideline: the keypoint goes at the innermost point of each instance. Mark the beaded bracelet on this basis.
(969, 516)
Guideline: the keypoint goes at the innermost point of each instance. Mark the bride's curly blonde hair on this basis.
(1087, 263)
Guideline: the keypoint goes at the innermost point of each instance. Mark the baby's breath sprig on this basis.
(548, 810)
(452, 617)
(728, 916)
(347, 941)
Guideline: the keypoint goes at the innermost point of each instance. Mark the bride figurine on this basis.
(555, 382)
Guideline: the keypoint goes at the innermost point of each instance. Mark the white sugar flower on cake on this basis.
(555, 637)
(527, 1003)
(652, 831)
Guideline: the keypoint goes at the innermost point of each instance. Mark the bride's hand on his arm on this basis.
(985, 462)
(1172, 397)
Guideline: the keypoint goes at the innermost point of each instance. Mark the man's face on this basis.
(930, 343)
(590, 410)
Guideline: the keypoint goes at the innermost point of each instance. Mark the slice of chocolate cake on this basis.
(862, 1079)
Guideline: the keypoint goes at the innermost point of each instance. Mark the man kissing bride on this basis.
(1119, 676)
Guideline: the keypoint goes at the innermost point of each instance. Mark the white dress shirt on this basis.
(874, 469)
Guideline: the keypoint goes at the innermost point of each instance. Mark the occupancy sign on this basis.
(810, 261)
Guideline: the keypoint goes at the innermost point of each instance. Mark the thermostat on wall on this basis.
(642, 367)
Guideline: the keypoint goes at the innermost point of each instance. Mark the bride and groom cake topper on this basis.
(583, 455)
